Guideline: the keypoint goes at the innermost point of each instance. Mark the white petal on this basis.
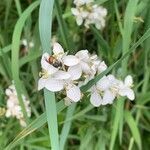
(54, 85)
(51, 69)
(95, 99)
(44, 61)
(75, 11)
(8, 92)
(57, 49)
(83, 55)
(41, 83)
(79, 20)
(74, 93)
(61, 75)
(8, 113)
(70, 60)
(103, 84)
(85, 67)
(131, 94)
(108, 97)
(128, 81)
(75, 72)
(102, 67)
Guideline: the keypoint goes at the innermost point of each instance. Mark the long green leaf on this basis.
(45, 23)
(133, 127)
(15, 53)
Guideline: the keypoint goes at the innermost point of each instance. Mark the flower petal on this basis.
(61, 75)
(108, 97)
(83, 55)
(70, 60)
(74, 93)
(85, 67)
(128, 81)
(79, 20)
(95, 99)
(75, 11)
(41, 83)
(75, 72)
(54, 85)
(44, 61)
(57, 49)
(102, 67)
(51, 69)
(131, 94)
(103, 84)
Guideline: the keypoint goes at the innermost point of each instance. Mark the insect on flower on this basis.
(53, 61)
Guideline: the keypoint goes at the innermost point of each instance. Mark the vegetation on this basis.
(123, 44)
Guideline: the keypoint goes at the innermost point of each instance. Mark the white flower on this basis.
(80, 15)
(105, 91)
(88, 13)
(82, 2)
(96, 17)
(72, 91)
(125, 88)
(13, 107)
(52, 77)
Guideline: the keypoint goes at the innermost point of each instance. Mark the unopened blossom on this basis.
(88, 13)
(13, 108)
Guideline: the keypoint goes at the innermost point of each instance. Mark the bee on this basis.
(53, 61)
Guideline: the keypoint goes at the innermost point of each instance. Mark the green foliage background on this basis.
(123, 44)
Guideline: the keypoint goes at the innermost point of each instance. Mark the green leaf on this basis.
(15, 53)
(45, 23)
(133, 127)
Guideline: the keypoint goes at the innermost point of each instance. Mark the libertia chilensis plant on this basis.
(86, 55)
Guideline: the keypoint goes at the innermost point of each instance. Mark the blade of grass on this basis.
(15, 53)
(133, 127)
(103, 44)
(66, 127)
(45, 23)
(63, 28)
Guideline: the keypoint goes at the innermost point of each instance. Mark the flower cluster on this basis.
(13, 108)
(88, 13)
(67, 73)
